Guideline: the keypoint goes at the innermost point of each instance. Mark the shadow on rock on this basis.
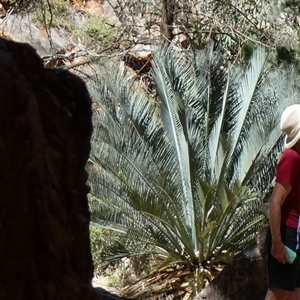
(244, 278)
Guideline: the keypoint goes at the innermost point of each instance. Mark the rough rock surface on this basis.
(243, 278)
(20, 28)
(45, 128)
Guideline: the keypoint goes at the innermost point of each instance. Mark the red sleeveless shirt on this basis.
(288, 172)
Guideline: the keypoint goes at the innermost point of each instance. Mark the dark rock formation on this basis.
(45, 128)
(106, 295)
(244, 278)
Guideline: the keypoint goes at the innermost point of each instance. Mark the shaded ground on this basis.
(104, 291)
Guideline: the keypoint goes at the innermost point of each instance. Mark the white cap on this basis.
(290, 125)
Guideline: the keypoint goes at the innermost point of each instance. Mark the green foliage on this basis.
(272, 57)
(118, 279)
(247, 50)
(122, 277)
(89, 30)
(54, 13)
(231, 24)
(96, 248)
(292, 6)
(182, 179)
(21, 6)
(118, 273)
(100, 30)
(285, 55)
(104, 245)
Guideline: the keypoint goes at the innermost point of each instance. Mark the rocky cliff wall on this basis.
(45, 128)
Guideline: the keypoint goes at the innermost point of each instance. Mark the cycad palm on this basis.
(181, 174)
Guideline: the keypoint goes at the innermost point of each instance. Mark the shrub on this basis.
(95, 240)
(100, 30)
(55, 16)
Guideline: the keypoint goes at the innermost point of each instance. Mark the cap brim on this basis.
(290, 142)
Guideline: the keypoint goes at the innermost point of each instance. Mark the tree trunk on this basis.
(168, 16)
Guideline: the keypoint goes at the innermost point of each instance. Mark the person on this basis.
(284, 211)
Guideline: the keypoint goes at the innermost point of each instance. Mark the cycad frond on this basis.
(185, 173)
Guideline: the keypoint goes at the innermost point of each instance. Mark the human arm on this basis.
(278, 197)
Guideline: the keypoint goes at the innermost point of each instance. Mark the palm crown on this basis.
(180, 174)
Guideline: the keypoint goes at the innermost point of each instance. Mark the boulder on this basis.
(20, 28)
(243, 278)
(45, 129)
